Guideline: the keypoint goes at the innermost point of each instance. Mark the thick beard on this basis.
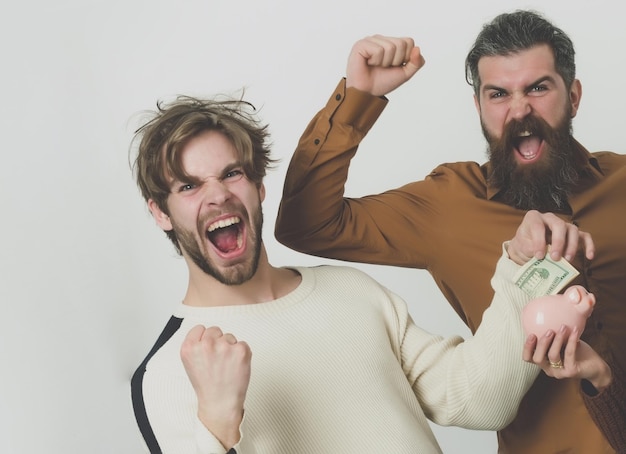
(544, 185)
(234, 274)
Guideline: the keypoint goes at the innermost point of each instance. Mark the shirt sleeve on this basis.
(477, 383)
(313, 216)
(608, 408)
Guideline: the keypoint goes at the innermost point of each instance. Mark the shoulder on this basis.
(344, 281)
(611, 164)
(453, 176)
(610, 158)
(462, 171)
(355, 289)
(459, 169)
(344, 274)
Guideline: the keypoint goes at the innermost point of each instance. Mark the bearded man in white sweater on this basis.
(298, 360)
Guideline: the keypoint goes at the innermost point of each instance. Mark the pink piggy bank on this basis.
(572, 308)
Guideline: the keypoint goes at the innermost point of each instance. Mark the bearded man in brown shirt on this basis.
(453, 222)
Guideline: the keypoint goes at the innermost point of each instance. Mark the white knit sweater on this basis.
(338, 365)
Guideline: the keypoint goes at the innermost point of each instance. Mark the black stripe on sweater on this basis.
(136, 387)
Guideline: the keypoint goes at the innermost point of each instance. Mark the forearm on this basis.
(175, 426)
(600, 380)
(498, 377)
(311, 212)
(480, 383)
(226, 428)
(208, 442)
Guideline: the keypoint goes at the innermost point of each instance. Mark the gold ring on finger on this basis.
(556, 365)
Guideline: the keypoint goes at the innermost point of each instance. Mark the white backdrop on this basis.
(87, 280)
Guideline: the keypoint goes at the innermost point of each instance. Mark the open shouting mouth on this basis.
(226, 234)
(528, 146)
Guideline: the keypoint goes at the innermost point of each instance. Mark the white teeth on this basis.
(224, 223)
(525, 134)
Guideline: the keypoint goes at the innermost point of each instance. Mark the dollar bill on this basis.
(539, 277)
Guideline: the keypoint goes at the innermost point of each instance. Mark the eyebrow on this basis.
(231, 166)
(195, 179)
(532, 84)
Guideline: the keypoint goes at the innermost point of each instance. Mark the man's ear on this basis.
(262, 192)
(162, 219)
(575, 93)
(477, 104)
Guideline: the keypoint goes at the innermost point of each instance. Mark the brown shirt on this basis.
(608, 409)
(452, 224)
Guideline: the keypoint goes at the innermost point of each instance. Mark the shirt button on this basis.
(599, 326)
(338, 97)
(317, 141)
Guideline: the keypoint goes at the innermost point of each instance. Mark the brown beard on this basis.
(233, 275)
(544, 185)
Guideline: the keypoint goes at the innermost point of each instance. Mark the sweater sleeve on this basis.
(207, 443)
(477, 383)
(608, 408)
(178, 429)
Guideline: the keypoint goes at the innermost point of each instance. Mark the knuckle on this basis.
(213, 331)
(242, 350)
(186, 350)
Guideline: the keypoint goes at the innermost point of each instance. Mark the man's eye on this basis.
(539, 88)
(496, 94)
(234, 174)
(186, 187)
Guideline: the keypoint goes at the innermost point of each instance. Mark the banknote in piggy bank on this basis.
(571, 308)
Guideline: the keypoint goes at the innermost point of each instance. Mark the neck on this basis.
(267, 284)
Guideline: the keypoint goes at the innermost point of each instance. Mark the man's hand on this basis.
(218, 367)
(538, 230)
(577, 360)
(380, 64)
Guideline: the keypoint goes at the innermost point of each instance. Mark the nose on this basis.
(519, 107)
(216, 192)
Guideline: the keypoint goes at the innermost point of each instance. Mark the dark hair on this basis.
(517, 31)
(163, 138)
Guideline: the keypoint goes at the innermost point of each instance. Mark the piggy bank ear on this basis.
(581, 298)
(573, 294)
